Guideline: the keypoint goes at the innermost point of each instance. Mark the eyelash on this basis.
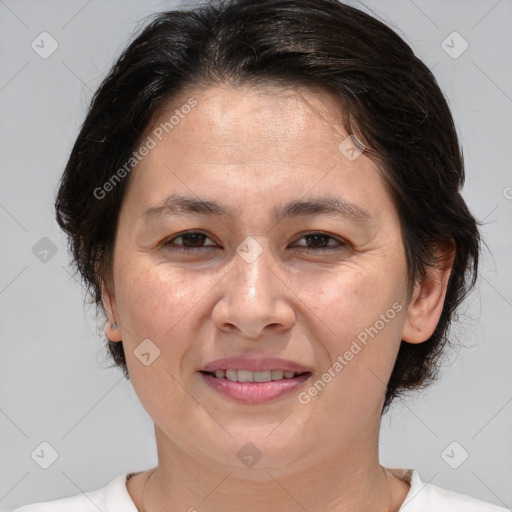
(176, 247)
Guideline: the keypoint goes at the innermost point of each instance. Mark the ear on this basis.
(110, 306)
(426, 305)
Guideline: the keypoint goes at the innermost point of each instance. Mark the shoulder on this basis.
(113, 497)
(425, 497)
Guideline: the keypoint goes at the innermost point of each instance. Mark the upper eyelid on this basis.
(189, 232)
(341, 241)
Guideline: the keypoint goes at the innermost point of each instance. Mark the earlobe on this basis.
(428, 297)
(112, 330)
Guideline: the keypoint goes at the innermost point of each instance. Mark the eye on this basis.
(316, 241)
(190, 240)
(320, 242)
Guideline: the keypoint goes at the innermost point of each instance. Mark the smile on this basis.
(250, 376)
(254, 386)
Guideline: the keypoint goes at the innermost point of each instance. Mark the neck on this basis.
(350, 479)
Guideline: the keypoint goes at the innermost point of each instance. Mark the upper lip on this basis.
(254, 364)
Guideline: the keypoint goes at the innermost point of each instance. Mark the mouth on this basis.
(249, 386)
(250, 376)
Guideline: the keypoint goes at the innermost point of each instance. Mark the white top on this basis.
(421, 498)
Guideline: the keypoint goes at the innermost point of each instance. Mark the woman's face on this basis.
(250, 259)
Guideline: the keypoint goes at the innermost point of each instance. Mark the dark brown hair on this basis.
(390, 100)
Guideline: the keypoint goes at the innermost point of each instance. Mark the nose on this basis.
(255, 301)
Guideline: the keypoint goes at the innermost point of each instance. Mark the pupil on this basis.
(318, 239)
(195, 238)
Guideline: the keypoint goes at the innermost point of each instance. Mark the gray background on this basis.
(55, 386)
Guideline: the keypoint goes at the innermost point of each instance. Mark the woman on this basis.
(264, 199)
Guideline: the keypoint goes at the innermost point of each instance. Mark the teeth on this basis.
(231, 375)
(249, 376)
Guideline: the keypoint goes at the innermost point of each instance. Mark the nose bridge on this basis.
(253, 265)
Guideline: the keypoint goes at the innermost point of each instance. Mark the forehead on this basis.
(246, 119)
(253, 142)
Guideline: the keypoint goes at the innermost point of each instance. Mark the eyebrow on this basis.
(176, 204)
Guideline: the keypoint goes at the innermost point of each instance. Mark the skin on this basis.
(252, 149)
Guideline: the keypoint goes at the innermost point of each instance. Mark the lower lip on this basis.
(254, 392)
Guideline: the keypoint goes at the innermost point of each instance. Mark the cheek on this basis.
(159, 303)
(362, 308)
(352, 298)
(156, 302)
